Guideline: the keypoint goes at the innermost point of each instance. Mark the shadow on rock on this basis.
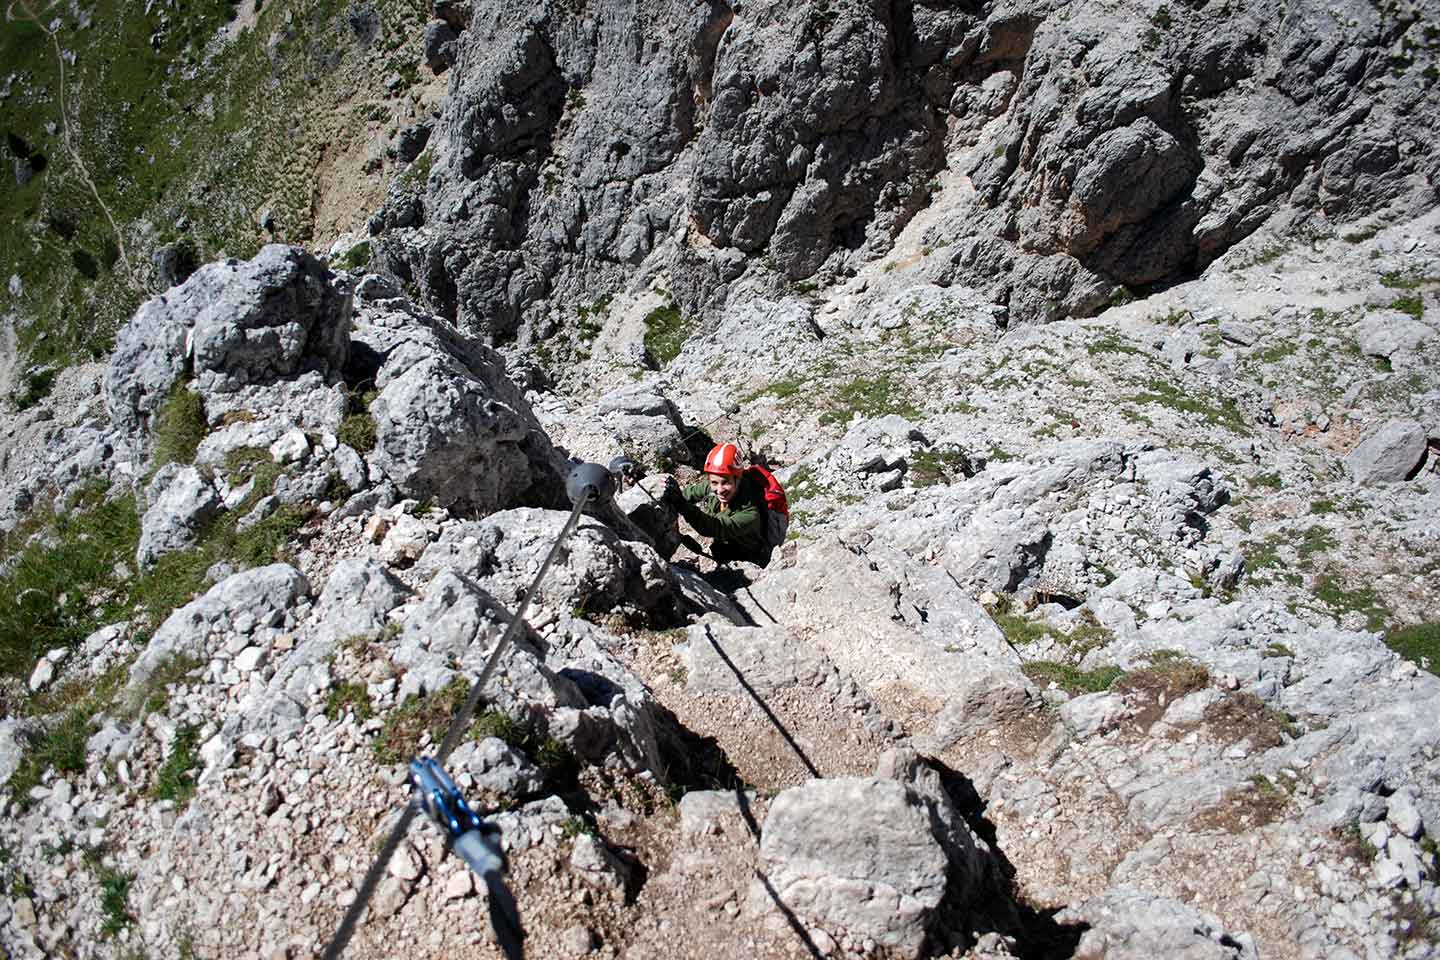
(1036, 933)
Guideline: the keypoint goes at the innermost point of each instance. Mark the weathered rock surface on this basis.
(449, 424)
(862, 857)
(1132, 924)
(1391, 453)
(181, 503)
(232, 324)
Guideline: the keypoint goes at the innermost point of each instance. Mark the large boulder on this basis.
(868, 857)
(596, 572)
(450, 425)
(1392, 452)
(235, 608)
(231, 325)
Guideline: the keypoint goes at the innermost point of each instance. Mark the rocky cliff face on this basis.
(581, 150)
(1107, 637)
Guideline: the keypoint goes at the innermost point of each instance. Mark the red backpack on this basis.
(777, 508)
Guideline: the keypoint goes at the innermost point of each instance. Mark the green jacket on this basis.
(739, 533)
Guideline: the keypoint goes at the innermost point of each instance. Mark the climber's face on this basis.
(723, 487)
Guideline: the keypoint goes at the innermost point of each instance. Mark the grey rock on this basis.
(1091, 713)
(1404, 816)
(450, 425)
(409, 143)
(597, 569)
(644, 424)
(498, 768)
(855, 856)
(734, 660)
(440, 51)
(181, 502)
(1129, 924)
(705, 812)
(237, 605)
(986, 703)
(1386, 333)
(1392, 452)
(598, 867)
(12, 748)
(234, 324)
(358, 596)
(174, 263)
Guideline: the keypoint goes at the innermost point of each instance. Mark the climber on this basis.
(742, 509)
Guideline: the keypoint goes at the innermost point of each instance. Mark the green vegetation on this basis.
(940, 465)
(406, 725)
(1401, 280)
(553, 758)
(666, 332)
(61, 746)
(144, 119)
(1363, 600)
(358, 431)
(176, 778)
(50, 579)
(114, 900)
(349, 697)
(1419, 643)
(1169, 672)
(1071, 679)
(1111, 342)
(180, 425)
(1270, 480)
(1413, 304)
(355, 258)
(868, 397)
(34, 387)
(1224, 413)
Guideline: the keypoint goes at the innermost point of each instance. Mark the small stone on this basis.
(405, 866)
(292, 447)
(1403, 816)
(577, 941)
(249, 659)
(460, 885)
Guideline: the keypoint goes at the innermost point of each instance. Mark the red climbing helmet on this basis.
(724, 460)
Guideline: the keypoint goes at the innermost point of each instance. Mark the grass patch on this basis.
(405, 726)
(114, 900)
(1071, 679)
(61, 747)
(1111, 342)
(180, 425)
(1271, 481)
(869, 397)
(1244, 716)
(1171, 674)
(35, 387)
(1412, 304)
(1419, 643)
(940, 465)
(51, 581)
(1363, 600)
(175, 779)
(358, 431)
(666, 331)
(1223, 414)
(349, 697)
(1401, 280)
(353, 259)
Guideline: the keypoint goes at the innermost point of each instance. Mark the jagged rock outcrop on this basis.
(232, 324)
(573, 155)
